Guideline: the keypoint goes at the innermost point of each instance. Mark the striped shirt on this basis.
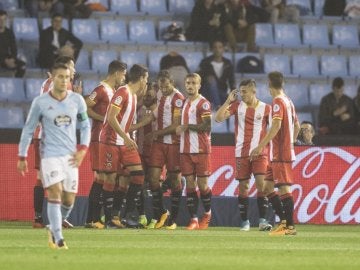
(126, 102)
(250, 126)
(282, 145)
(193, 113)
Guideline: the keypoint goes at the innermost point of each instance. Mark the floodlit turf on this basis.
(315, 247)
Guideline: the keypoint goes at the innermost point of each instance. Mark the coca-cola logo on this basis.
(326, 183)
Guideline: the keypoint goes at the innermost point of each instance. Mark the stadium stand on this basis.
(153, 7)
(113, 31)
(86, 30)
(101, 59)
(124, 7)
(12, 90)
(11, 117)
(305, 65)
(133, 57)
(32, 88)
(26, 29)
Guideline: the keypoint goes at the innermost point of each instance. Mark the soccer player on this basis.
(251, 122)
(116, 147)
(97, 103)
(195, 149)
(165, 151)
(58, 112)
(38, 188)
(281, 135)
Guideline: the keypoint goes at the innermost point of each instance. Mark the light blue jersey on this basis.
(58, 120)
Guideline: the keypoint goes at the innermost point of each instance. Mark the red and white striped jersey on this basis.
(250, 126)
(101, 96)
(193, 113)
(168, 107)
(144, 146)
(126, 102)
(282, 145)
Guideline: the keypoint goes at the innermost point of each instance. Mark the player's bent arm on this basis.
(204, 126)
(296, 130)
(222, 113)
(274, 129)
(143, 122)
(172, 128)
(92, 114)
(113, 111)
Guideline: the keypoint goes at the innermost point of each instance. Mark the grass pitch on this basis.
(315, 247)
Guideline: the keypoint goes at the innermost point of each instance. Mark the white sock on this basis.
(54, 216)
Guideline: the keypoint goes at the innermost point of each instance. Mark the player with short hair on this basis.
(165, 151)
(281, 135)
(97, 103)
(116, 147)
(195, 149)
(58, 111)
(38, 194)
(251, 121)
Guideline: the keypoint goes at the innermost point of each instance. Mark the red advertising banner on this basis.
(326, 183)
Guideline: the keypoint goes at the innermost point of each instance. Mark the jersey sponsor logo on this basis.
(92, 96)
(62, 121)
(118, 100)
(178, 103)
(276, 108)
(206, 106)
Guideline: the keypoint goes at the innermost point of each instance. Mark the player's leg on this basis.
(175, 198)
(243, 172)
(38, 188)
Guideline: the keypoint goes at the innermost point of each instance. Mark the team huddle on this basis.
(141, 131)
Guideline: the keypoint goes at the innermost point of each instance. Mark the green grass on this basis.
(315, 247)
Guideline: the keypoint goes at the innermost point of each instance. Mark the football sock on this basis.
(95, 203)
(119, 196)
(175, 198)
(132, 196)
(192, 202)
(108, 204)
(263, 205)
(288, 202)
(55, 219)
(140, 205)
(206, 199)
(157, 203)
(243, 204)
(65, 211)
(38, 201)
(277, 205)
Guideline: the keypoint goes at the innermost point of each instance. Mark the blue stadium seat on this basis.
(9, 4)
(32, 88)
(346, 35)
(318, 7)
(193, 59)
(154, 61)
(351, 90)
(263, 93)
(26, 29)
(142, 31)
(181, 6)
(89, 86)
(163, 25)
(12, 90)
(333, 65)
(133, 57)
(287, 34)
(153, 7)
(218, 127)
(82, 63)
(126, 7)
(305, 65)
(264, 34)
(317, 92)
(316, 35)
(46, 22)
(113, 31)
(86, 30)
(101, 59)
(11, 117)
(277, 62)
(354, 65)
(298, 92)
(305, 116)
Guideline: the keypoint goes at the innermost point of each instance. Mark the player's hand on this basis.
(130, 144)
(22, 167)
(181, 129)
(78, 88)
(77, 158)
(150, 137)
(255, 153)
(232, 96)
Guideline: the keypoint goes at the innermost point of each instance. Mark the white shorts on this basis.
(58, 169)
